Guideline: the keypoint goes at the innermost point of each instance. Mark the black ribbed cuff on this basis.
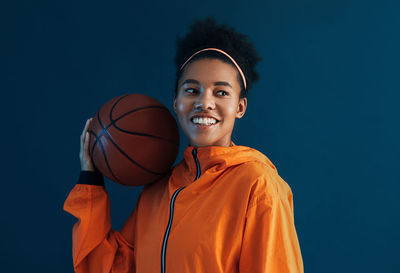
(91, 178)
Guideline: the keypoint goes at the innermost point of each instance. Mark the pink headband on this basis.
(219, 50)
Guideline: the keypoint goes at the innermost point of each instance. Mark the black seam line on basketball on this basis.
(146, 135)
(135, 110)
(113, 122)
(132, 111)
(101, 124)
(137, 133)
(103, 152)
(107, 135)
(105, 128)
(101, 146)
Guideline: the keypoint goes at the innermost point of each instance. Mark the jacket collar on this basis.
(211, 160)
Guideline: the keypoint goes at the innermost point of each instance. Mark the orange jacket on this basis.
(221, 210)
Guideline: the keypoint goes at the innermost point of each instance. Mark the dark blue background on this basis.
(325, 111)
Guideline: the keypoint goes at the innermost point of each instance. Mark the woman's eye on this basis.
(190, 89)
(193, 90)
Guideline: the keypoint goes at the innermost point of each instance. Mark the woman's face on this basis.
(209, 87)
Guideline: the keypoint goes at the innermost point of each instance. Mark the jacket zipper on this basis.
(194, 153)
(171, 210)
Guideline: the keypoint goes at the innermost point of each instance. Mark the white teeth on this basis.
(204, 121)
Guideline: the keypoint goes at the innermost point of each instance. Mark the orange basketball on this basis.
(134, 140)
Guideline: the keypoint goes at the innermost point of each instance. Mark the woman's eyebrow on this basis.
(215, 83)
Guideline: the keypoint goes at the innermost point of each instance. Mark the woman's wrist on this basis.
(89, 177)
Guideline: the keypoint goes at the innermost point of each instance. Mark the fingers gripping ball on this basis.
(134, 140)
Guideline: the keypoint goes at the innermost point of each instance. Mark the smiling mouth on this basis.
(199, 125)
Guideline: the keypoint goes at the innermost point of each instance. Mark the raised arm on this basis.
(95, 247)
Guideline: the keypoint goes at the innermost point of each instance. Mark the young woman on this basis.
(223, 208)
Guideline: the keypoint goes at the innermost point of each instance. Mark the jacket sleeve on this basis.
(270, 243)
(95, 247)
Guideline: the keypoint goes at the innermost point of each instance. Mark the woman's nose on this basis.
(205, 100)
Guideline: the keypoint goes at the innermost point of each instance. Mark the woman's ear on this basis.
(174, 105)
(241, 109)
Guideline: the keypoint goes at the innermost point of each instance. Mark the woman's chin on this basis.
(200, 143)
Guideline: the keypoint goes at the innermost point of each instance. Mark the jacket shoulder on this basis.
(258, 165)
(266, 183)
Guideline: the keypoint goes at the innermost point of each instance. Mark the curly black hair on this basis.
(206, 33)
